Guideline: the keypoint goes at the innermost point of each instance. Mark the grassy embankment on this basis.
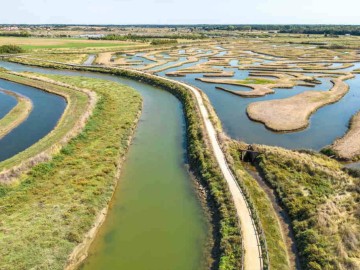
(78, 108)
(323, 203)
(68, 58)
(47, 214)
(16, 115)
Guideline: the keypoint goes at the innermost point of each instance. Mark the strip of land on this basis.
(348, 147)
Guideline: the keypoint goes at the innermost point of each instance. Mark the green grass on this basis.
(71, 58)
(255, 81)
(322, 201)
(45, 216)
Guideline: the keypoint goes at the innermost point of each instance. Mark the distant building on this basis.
(11, 28)
(91, 36)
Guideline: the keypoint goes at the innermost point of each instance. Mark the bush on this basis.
(11, 49)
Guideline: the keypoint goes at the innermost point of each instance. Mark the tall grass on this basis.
(46, 215)
(322, 201)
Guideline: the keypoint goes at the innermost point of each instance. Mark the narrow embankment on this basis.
(17, 115)
(348, 147)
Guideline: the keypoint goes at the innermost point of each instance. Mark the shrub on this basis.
(11, 49)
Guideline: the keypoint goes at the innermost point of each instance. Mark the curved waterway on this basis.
(7, 103)
(47, 110)
(327, 124)
(155, 219)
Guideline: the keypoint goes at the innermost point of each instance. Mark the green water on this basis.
(155, 221)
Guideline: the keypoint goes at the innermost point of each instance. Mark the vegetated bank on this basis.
(43, 211)
(322, 200)
(79, 107)
(17, 115)
(201, 160)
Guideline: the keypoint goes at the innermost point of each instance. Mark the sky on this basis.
(180, 12)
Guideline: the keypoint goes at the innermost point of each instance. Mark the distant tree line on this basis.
(296, 29)
(15, 34)
(163, 41)
(148, 37)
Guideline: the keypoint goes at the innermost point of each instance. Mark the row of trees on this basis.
(147, 37)
(15, 34)
(298, 29)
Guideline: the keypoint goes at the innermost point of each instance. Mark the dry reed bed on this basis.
(348, 147)
(17, 115)
(293, 113)
(104, 58)
(322, 201)
(80, 104)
